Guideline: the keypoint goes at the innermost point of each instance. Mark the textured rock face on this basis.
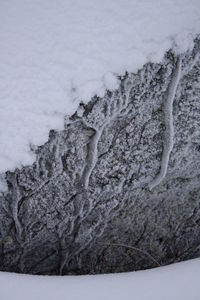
(124, 172)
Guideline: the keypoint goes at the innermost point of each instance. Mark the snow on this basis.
(54, 54)
(176, 282)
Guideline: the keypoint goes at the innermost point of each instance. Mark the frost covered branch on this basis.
(119, 105)
(169, 128)
(92, 157)
(15, 206)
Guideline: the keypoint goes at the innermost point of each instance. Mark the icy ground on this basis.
(54, 54)
(176, 282)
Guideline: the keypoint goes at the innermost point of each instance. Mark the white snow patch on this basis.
(54, 54)
(176, 282)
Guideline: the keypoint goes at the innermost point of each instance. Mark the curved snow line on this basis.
(174, 282)
(169, 128)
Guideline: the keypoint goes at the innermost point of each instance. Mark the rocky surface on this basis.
(119, 188)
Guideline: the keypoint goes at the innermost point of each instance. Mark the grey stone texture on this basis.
(88, 205)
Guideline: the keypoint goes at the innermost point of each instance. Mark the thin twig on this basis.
(136, 249)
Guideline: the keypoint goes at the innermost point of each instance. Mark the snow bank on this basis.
(176, 282)
(54, 54)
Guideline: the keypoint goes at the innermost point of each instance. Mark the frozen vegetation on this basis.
(118, 106)
(88, 190)
(99, 133)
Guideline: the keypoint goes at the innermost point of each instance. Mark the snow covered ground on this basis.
(176, 282)
(54, 54)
